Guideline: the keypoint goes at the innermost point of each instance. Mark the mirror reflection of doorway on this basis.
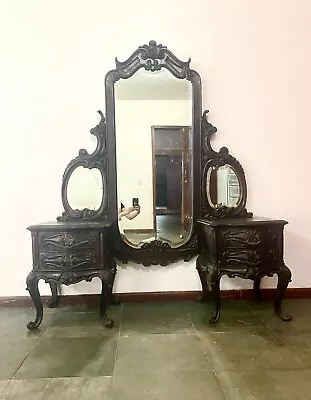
(171, 190)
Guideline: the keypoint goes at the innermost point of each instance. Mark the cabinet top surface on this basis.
(70, 225)
(241, 221)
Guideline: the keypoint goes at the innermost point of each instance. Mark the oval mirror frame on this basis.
(213, 159)
(211, 194)
(153, 57)
(85, 188)
(221, 211)
(98, 159)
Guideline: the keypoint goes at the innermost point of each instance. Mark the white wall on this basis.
(134, 119)
(254, 58)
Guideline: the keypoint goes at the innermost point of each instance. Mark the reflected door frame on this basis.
(184, 153)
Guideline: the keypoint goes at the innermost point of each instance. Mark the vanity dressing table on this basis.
(154, 151)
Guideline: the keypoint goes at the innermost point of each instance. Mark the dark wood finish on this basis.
(68, 253)
(213, 159)
(213, 186)
(186, 180)
(98, 159)
(153, 57)
(246, 248)
(84, 244)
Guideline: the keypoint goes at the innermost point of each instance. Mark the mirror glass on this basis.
(222, 187)
(153, 123)
(85, 189)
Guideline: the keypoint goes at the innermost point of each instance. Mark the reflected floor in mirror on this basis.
(158, 351)
(169, 229)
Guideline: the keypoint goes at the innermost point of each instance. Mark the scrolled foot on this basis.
(214, 319)
(282, 315)
(32, 287)
(108, 323)
(284, 277)
(32, 325)
(285, 317)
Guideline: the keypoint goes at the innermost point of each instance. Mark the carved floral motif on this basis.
(246, 237)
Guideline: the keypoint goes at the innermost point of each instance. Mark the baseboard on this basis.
(92, 300)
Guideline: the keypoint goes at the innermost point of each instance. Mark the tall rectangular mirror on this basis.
(153, 129)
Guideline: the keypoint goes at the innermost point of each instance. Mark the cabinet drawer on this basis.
(250, 238)
(71, 261)
(249, 258)
(64, 241)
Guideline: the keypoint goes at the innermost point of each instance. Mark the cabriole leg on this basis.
(32, 287)
(113, 298)
(256, 286)
(55, 299)
(106, 278)
(284, 277)
(214, 277)
(202, 275)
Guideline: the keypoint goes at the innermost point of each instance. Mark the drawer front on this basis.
(63, 242)
(71, 261)
(249, 238)
(242, 257)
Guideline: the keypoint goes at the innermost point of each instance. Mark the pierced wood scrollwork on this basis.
(152, 57)
(68, 241)
(97, 159)
(156, 252)
(211, 159)
(247, 237)
(67, 262)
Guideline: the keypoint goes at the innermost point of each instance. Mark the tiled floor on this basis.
(157, 351)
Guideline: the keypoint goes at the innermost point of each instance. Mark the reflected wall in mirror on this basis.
(153, 124)
(85, 189)
(222, 187)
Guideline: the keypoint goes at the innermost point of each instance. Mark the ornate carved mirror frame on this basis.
(213, 159)
(154, 57)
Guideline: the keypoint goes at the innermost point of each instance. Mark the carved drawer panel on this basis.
(67, 241)
(72, 261)
(251, 238)
(255, 258)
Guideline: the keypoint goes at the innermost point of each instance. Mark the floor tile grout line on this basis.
(208, 360)
(215, 372)
(189, 319)
(118, 341)
(258, 316)
(28, 354)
